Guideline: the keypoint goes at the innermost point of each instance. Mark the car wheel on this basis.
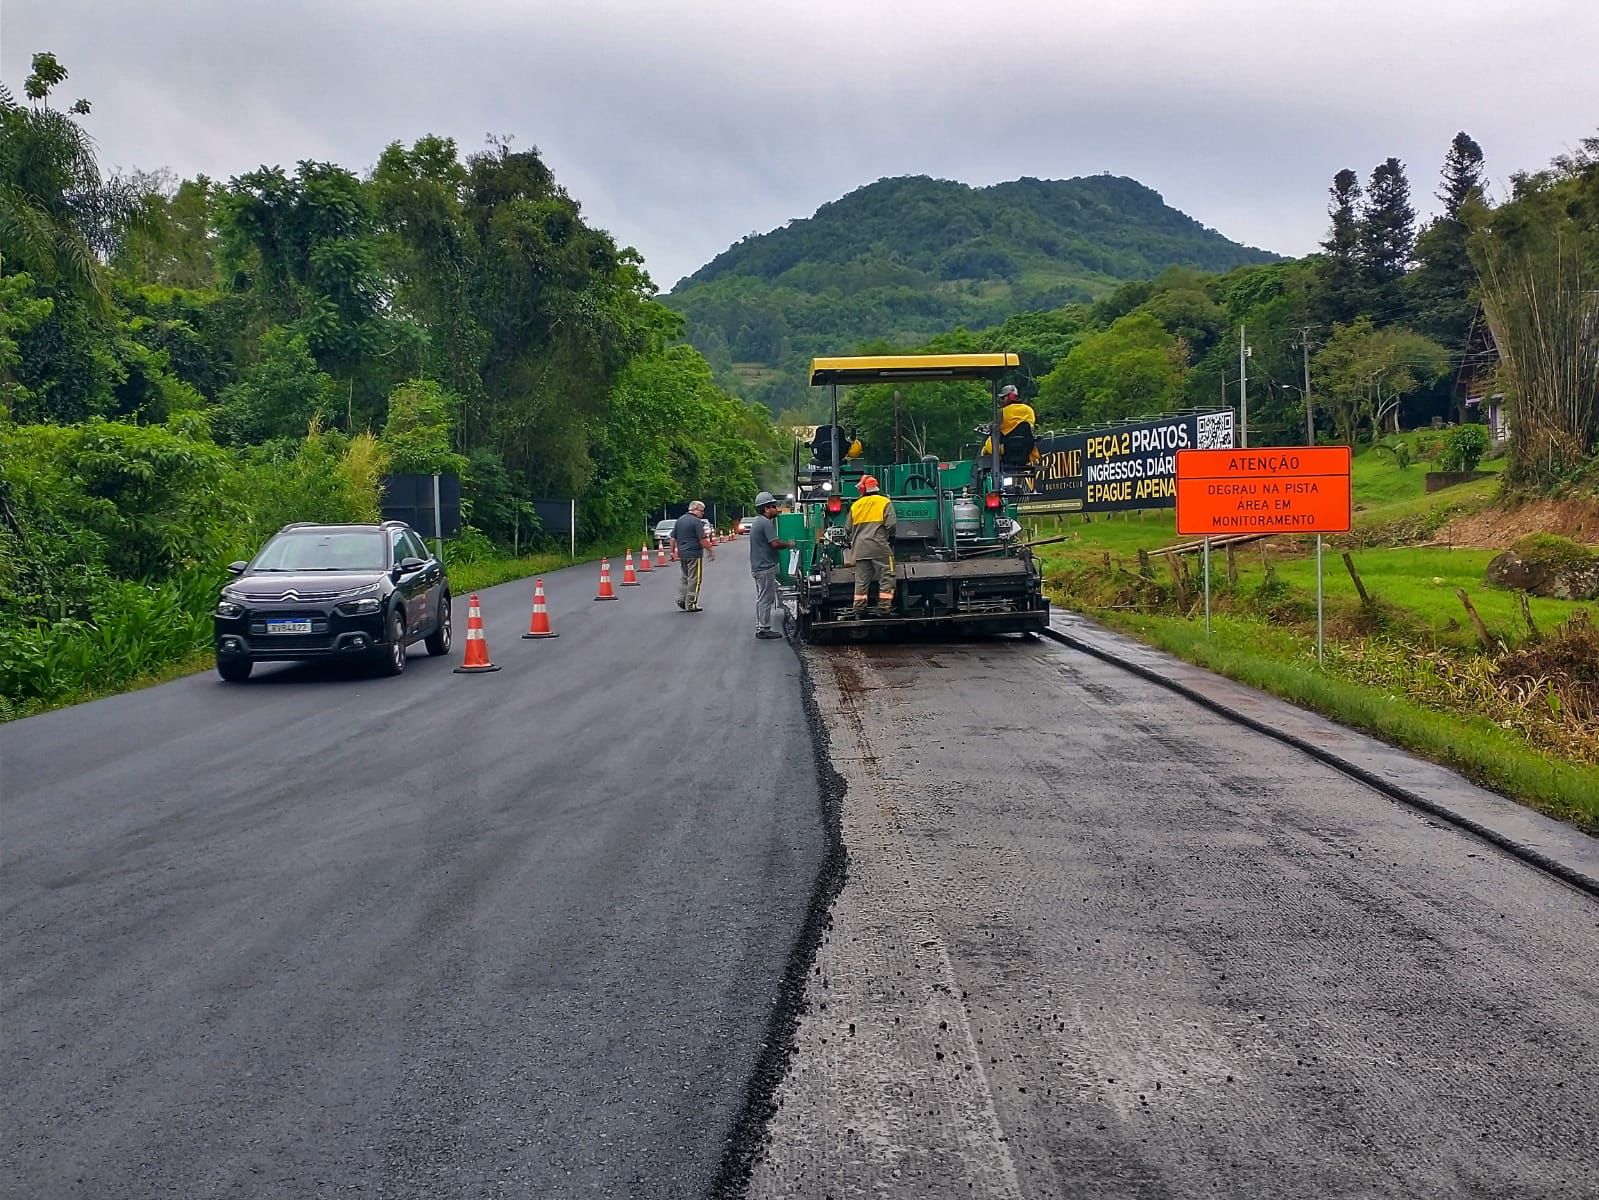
(392, 661)
(234, 670)
(438, 642)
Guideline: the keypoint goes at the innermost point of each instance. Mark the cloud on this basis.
(683, 127)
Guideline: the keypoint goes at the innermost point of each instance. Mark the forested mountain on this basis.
(903, 258)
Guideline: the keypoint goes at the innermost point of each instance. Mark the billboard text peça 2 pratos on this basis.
(1121, 467)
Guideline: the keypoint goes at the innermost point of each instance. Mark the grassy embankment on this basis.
(1406, 665)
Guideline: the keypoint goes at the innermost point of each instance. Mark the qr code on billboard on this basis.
(1216, 431)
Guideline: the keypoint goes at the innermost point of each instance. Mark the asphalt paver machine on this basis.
(961, 563)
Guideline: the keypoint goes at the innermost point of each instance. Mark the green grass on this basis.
(486, 573)
(1283, 664)
(1269, 643)
(1421, 581)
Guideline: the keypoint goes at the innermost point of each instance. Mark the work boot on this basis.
(767, 635)
(857, 612)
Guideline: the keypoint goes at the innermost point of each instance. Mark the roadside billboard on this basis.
(1121, 467)
(410, 498)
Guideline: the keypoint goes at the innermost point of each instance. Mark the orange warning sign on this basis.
(1274, 490)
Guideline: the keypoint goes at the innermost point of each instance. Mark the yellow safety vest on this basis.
(868, 509)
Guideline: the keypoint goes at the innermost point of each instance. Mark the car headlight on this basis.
(360, 608)
(227, 608)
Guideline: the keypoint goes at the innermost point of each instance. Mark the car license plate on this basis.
(288, 626)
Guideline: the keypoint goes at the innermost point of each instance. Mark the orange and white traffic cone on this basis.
(605, 581)
(660, 556)
(629, 579)
(477, 648)
(643, 559)
(540, 627)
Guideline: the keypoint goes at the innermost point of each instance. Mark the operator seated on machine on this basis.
(822, 446)
(870, 527)
(1012, 417)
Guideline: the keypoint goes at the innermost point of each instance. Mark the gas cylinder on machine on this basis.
(968, 517)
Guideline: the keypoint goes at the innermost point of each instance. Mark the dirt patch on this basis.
(1496, 528)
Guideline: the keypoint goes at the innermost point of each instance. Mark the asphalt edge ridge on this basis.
(748, 1132)
(1567, 874)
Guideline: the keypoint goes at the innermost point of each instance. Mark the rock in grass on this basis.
(1556, 568)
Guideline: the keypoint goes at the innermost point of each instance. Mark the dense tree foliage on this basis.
(1538, 258)
(186, 365)
(1439, 289)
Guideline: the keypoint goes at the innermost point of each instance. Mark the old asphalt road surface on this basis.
(1095, 941)
(513, 934)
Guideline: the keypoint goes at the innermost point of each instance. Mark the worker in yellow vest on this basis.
(871, 541)
(1013, 414)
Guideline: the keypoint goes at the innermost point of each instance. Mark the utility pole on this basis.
(1310, 408)
(1243, 391)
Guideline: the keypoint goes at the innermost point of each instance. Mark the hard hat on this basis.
(765, 498)
(868, 483)
(1009, 390)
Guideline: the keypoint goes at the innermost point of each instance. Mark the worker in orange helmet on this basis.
(870, 527)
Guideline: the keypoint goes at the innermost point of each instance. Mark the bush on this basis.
(1464, 448)
(1553, 550)
(112, 538)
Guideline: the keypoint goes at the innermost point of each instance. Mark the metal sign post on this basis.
(1207, 586)
(1320, 661)
(572, 528)
(438, 520)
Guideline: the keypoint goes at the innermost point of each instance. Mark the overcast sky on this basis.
(682, 127)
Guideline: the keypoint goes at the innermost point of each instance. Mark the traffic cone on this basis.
(605, 581)
(660, 556)
(629, 579)
(477, 649)
(644, 559)
(540, 628)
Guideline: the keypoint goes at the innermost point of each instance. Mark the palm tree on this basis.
(58, 219)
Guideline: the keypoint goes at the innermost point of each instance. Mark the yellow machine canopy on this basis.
(907, 368)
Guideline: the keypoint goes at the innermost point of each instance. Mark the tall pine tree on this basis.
(1387, 239)
(1440, 288)
(1341, 277)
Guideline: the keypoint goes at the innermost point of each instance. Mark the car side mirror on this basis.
(411, 565)
(238, 568)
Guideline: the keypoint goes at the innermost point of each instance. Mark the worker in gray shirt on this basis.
(691, 542)
(764, 545)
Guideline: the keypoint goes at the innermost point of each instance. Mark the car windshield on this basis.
(324, 550)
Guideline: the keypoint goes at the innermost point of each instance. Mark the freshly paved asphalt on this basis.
(1097, 941)
(499, 935)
